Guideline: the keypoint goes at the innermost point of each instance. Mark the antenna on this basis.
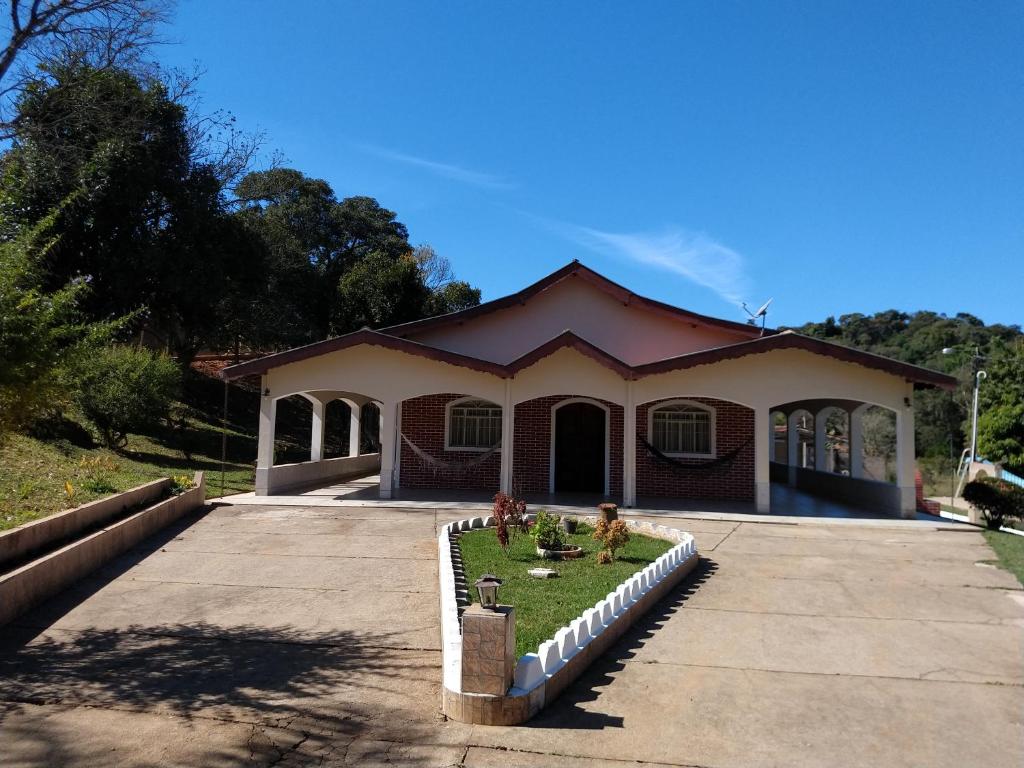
(762, 312)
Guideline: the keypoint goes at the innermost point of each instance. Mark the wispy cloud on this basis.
(692, 255)
(445, 170)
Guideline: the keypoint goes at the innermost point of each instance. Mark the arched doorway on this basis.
(580, 453)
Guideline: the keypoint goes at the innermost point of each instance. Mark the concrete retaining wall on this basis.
(540, 677)
(21, 542)
(31, 584)
(287, 476)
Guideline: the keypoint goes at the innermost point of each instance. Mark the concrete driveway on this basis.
(308, 635)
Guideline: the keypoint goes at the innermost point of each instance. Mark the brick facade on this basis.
(531, 471)
(423, 423)
(734, 481)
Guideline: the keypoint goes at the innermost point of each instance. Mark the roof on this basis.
(574, 269)
(568, 339)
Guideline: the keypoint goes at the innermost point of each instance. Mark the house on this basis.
(576, 384)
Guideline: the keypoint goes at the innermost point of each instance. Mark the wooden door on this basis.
(579, 448)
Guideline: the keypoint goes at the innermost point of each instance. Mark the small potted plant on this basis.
(570, 523)
(550, 538)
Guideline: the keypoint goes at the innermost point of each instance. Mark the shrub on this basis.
(613, 535)
(547, 531)
(124, 389)
(604, 557)
(509, 518)
(997, 500)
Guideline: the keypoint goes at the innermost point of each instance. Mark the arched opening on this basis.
(780, 437)
(879, 443)
(580, 450)
(337, 427)
(292, 428)
(369, 426)
(801, 422)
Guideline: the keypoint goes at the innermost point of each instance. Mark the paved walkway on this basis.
(263, 635)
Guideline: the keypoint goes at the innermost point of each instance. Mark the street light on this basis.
(979, 375)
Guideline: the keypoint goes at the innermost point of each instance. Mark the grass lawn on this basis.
(1010, 550)
(545, 605)
(33, 473)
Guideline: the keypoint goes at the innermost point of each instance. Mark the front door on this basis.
(579, 448)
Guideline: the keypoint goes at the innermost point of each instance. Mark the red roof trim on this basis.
(568, 339)
(789, 340)
(355, 339)
(573, 269)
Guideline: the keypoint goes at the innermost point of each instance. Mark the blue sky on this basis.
(839, 157)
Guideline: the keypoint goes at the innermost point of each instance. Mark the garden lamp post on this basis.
(487, 588)
(979, 375)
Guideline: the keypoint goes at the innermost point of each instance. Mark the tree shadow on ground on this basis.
(568, 711)
(286, 685)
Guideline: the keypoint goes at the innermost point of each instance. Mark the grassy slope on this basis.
(1010, 550)
(545, 605)
(33, 471)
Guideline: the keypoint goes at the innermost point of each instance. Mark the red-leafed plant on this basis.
(509, 518)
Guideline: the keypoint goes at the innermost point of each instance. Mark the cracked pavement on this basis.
(288, 636)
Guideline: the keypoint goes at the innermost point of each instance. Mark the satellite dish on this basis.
(762, 312)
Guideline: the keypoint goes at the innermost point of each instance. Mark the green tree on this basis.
(125, 389)
(337, 265)
(1001, 406)
(137, 213)
(42, 332)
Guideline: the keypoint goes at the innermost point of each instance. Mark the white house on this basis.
(576, 384)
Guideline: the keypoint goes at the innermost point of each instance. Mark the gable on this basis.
(632, 332)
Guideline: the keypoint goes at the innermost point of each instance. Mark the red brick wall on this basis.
(531, 471)
(423, 423)
(734, 425)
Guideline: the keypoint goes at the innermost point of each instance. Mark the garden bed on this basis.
(545, 605)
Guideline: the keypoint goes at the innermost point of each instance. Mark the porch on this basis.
(786, 502)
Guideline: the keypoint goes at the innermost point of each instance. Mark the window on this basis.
(473, 425)
(683, 428)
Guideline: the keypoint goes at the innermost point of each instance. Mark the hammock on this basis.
(704, 466)
(451, 466)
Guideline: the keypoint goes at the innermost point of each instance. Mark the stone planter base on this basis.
(560, 554)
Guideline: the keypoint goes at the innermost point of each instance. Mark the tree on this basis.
(42, 332)
(136, 212)
(1001, 406)
(337, 265)
(446, 293)
(100, 33)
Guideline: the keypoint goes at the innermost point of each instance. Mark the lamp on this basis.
(487, 587)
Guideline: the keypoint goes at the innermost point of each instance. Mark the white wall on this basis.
(630, 333)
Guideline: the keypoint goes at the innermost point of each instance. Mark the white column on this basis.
(354, 428)
(316, 438)
(508, 427)
(905, 457)
(265, 441)
(762, 459)
(821, 441)
(793, 445)
(629, 449)
(388, 424)
(856, 419)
